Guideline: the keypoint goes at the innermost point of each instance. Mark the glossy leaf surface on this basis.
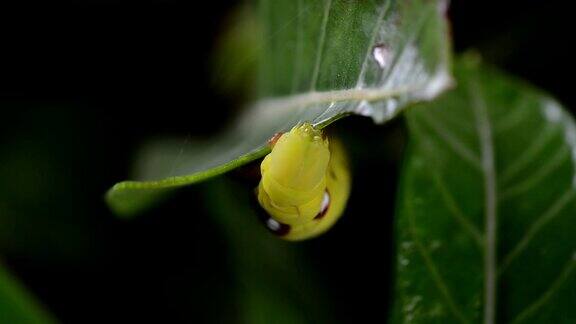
(486, 211)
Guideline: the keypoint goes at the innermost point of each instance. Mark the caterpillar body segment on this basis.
(305, 183)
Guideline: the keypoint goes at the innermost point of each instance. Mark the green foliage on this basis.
(485, 220)
(485, 211)
(319, 60)
(16, 305)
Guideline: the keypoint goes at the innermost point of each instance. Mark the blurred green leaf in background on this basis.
(17, 306)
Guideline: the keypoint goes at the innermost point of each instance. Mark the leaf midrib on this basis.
(322, 97)
(488, 170)
(490, 195)
(359, 92)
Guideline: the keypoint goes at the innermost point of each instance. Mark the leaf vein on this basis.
(490, 192)
(453, 142)
(298, 50)
(537, 176)
(411, 37)
(437, 278)
(377, 26)
(545, 297)
(548, 216)
(457, 213)
(513, 118)
(528, 155)
(320, 48)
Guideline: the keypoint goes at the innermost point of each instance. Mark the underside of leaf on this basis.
(320, 60)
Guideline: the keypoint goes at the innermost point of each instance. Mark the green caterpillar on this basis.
(305, 183)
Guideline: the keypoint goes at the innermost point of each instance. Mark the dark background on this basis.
(82, 83)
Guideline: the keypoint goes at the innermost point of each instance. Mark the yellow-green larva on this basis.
(305, 183)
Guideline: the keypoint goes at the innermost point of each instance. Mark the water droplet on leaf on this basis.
(381, 54)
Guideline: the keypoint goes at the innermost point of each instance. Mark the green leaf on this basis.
(17, 306)
(486, 211)
(320, 60)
